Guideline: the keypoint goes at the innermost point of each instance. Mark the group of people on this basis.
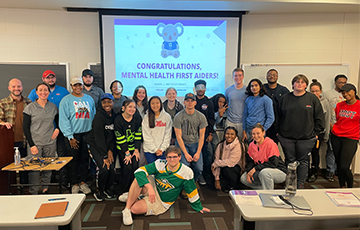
(223, 140)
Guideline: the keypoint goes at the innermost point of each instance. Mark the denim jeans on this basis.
(330, 158)
(208, 151)
(265, 179)
(151, 157)
(197, 167)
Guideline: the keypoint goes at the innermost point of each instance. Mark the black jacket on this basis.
(102, 134)
(206, 107)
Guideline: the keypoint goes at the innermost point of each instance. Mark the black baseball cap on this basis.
(87, 72)
(198, 82)
(347, 87)
(190, 96)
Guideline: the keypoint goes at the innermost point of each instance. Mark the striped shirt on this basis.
(170, 183)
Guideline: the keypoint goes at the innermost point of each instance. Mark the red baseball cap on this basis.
(47, 73)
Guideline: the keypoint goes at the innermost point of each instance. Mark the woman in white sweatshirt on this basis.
(156, 128)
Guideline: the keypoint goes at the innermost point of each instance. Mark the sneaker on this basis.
(330, 176)
(85, 188)
(311, 178)
(99, 196)
(201, 180)
(127, 218)
(123, 197)
(109, 193)
(75, 189)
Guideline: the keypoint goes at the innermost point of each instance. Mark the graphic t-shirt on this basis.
(347, 120)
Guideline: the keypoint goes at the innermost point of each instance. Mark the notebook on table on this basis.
(52, 209)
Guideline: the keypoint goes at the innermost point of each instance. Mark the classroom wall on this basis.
(45, 35)
(73, 37)
(303, 39)
(329, 38)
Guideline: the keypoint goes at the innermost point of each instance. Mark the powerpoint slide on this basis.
(170, 53)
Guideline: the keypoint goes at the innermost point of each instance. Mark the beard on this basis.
(88, 85)
(16, 95)
(52, 86)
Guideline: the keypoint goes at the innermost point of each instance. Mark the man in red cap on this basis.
(56, 92)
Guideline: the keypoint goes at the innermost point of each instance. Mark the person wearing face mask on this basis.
(206, 107)
(301, 121)
(116, 88)
(229, 161)
(264, 166)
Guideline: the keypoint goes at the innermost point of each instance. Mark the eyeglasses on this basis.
(173, 157)
(50, 77)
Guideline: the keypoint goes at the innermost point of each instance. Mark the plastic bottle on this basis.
(17, 156)
(291, 179)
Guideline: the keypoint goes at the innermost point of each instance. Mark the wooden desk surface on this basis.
(36, 167)
(322, 206)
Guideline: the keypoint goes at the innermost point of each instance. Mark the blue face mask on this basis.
(200, 87)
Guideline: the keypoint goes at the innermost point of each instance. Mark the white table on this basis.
(18, 212)
(326, 214)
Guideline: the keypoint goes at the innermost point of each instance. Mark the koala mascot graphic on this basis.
(170, 34)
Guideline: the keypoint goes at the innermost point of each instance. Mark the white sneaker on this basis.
(123, 197)
(75, 189)
(85, 188)
(127, 218)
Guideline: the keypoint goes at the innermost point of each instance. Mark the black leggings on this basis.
(105, 176)
(315, 158)
(344, 151)
(230, 176)
(128, 170)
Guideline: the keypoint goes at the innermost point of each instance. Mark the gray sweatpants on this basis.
(34, 176)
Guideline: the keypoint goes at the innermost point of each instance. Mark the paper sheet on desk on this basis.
(249, 200)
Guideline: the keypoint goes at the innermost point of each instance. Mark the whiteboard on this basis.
(324, 73)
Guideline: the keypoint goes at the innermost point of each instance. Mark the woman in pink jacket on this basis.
(264, 166)
(229, 161)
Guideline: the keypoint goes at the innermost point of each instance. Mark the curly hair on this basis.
(244, 147)
(262, 88)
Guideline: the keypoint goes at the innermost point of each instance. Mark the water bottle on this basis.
(291, 179)
(17, 156)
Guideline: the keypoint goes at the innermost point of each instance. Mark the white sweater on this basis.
(158, 137)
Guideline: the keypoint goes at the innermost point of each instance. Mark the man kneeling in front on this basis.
(169, 177)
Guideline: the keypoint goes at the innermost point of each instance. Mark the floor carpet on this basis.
(107, 215)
